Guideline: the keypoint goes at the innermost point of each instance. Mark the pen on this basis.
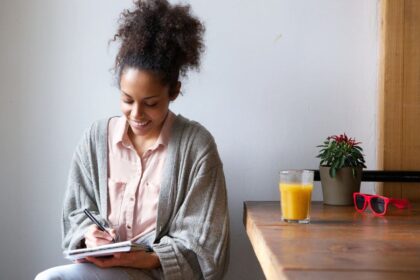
(101, 227)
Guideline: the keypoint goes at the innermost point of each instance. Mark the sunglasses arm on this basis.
(400, 203)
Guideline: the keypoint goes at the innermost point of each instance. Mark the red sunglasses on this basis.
(377, 203)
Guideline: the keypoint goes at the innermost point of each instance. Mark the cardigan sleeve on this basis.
(197, 243)
(81, 193)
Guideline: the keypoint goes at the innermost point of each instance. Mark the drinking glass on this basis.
(295, 195)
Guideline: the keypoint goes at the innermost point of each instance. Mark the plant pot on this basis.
(339, 190)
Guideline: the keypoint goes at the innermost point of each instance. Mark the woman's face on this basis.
(144, 102)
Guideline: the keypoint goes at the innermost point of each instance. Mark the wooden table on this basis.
(339, 243)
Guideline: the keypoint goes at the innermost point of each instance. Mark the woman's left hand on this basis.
(138, 259)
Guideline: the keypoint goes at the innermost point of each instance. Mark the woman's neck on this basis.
(142, 143)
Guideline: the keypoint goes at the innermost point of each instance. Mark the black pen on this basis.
(101, 227)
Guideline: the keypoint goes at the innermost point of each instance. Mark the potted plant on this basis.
(340, 169)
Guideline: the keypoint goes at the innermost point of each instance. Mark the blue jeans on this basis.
(88, 271)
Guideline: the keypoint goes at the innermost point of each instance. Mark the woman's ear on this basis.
(175, 91)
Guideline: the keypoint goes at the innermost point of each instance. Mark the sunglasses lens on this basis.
(378, 205)
(360, 202)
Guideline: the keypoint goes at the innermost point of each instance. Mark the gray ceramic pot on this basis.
(339, 190)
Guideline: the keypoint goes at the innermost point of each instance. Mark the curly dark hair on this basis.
(157, 36)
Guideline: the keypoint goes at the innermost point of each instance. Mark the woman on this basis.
(149, 175)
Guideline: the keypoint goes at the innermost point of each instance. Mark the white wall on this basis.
(277, 78)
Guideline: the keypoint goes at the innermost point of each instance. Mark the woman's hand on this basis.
(138, 259)
(95, 237)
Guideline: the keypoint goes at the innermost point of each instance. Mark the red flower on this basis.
(344, 139)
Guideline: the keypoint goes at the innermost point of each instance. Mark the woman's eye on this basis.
(127, 101)
(150, 104)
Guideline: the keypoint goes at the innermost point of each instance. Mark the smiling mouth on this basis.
(139, 124)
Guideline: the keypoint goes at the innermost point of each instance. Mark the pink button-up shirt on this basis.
(133, 181)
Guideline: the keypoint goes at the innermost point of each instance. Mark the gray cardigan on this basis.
(192, 229)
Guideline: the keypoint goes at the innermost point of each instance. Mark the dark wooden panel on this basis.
(385, 176)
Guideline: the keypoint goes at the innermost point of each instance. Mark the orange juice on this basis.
(295, 201)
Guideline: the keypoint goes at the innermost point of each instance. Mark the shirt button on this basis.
(128, 226)
(131, 198)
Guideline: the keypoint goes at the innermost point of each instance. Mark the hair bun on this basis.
(160, 37)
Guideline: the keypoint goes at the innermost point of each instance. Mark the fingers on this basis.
(138, 259)
(118, 255)
(95, 237)
(113, 233)
(96, 242)
(117, 259)
(105, 262)
(96, 261)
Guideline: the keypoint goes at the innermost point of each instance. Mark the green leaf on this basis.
(340, 154)
(342, 160)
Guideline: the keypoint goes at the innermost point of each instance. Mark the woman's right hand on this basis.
(95, 237)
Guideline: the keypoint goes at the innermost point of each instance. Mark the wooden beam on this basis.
(399, 93)
(390, 89)
(411, 94)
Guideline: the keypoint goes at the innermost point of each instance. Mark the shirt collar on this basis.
(120, 135)
(165, 132)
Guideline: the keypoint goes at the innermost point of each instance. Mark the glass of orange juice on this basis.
(295, 194)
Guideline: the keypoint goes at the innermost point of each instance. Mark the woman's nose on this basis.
(137, 111)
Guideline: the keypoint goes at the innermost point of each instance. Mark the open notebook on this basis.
(106, 250)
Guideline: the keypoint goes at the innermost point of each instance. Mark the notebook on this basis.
(106, 250)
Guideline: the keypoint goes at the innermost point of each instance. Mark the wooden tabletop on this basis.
(339, 243)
